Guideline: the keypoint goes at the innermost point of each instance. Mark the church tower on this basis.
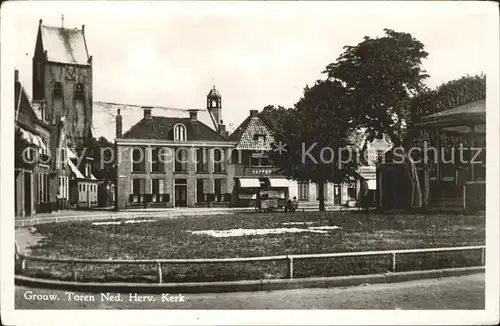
(62, 78)
(214, 107)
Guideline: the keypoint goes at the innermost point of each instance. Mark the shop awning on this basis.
(279, 183)
(32, 138)
(249, 183)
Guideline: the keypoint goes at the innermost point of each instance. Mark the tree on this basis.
(380, 75)
(448, 95)
(101, 151)
(314, 132)
(273, 116)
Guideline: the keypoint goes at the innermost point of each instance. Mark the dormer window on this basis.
(79, 89)
(180, 132)
(57, 89)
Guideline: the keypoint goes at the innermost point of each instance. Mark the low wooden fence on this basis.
(128, 215)
(22, 259)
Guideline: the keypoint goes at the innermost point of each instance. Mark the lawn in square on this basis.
(172, 238)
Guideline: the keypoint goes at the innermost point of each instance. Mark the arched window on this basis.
(180, 132)
(79, 89)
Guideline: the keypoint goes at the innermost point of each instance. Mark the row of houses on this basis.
(187, 158)
(211, 166)
(48, 174)
(48, 128)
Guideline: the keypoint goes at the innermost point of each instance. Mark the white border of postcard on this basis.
(13, 10)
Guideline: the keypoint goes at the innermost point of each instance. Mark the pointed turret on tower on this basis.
(214, 106)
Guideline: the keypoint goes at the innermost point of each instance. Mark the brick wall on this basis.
(125, 177)
(77, 110)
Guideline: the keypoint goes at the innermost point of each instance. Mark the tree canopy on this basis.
(101, 150)
(314, 132)
(375, 87)
(379, 74)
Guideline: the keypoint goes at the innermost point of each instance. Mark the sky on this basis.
(256, 54)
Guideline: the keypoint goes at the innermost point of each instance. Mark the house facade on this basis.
(173, 161)
(255, 172)
(83, 184)
(41, 171)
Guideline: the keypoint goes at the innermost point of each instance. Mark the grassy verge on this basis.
(171, 239)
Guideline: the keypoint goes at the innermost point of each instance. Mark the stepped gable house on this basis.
(173, 159)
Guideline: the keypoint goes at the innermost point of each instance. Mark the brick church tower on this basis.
(62, 78)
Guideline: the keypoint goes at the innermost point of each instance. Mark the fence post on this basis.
(290, 267)
(393, 262)
(160, 274)
(482, 256)
(73, 270)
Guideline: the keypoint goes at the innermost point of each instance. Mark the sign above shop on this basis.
(260, 171)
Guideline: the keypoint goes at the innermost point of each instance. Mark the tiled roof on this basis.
(246, 131)
(104, 117)
(161, 128)
(64, 45)
(25, 114)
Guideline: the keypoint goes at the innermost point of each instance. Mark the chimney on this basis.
(16, 75)
(222, 130)
(83, 29)
(254, 113)
(193, 115)
(147, 112)
(119, 120)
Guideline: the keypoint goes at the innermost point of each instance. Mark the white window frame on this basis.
(180, 133)
(301, 190)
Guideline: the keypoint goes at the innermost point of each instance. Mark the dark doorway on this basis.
(180, 196)
(180, 193)
(337, 196)
(27, 193)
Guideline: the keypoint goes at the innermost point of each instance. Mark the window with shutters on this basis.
(138, 160)
(157, 160)
(157, 189)
(219, 161)
(303, 190)
(181, 160)
(219, 187)
(202, 160)
(201, 190)
(138, 186)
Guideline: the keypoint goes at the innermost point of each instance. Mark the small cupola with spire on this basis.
(214, 106)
